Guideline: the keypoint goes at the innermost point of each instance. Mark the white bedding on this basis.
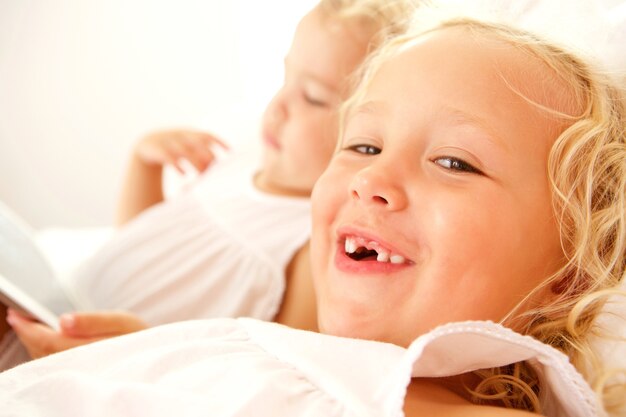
(244, 367)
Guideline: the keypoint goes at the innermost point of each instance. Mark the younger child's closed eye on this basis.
(313, 100)
(456, 164)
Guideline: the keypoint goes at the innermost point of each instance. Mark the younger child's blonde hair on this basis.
(380, 19)
(375, 21)
(587, 173)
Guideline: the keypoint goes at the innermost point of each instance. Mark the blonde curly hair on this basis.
(379, 19)
(387, 17)
(587, 173)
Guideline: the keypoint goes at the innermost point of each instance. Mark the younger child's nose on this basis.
(277, 110)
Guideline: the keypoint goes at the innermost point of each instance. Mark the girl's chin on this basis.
(344, 324)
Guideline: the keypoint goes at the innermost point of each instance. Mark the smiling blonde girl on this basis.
(494, 170)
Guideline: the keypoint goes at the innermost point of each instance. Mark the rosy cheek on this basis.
(324, 214)
(321, 212)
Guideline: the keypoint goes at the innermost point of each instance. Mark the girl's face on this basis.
(437, 206)
(300, 123)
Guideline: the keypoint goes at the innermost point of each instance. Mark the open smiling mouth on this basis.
(361, 249)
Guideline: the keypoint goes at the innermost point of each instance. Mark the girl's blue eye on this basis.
(365, 149)
(455, 164)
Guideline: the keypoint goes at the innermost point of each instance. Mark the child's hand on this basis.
(76, 329)
(173, 146)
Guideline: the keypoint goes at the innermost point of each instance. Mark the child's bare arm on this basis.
(142, 186)
(298, 307)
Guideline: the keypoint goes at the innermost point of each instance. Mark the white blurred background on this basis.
(82, 80)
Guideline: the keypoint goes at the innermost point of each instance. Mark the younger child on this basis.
(480, 178)
(235, 244)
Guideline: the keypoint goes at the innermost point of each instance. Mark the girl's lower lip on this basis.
(346, 264)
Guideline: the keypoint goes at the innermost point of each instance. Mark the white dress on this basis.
(246, 367)
(220, 249)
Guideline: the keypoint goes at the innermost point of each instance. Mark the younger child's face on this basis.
(443, 172)
(299, 124)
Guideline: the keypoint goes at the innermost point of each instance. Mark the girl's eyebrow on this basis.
(460, 117)
(368, 108)
(449, 114)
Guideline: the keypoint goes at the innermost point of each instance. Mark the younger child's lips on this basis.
(271, 141)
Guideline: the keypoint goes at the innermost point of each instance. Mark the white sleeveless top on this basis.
(246, 367)
(220, 249)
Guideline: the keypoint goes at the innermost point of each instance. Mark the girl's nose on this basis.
(377, 186)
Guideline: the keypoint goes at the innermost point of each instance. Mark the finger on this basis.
(160, 155)
(175, 162)
(197, 152)
(163, 157)
(207, 139)
(13, 313)
(199, 158)
(214, 140)
(173, 153)
(100, 324)
(38, 339)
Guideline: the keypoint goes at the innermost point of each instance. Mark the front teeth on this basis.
(350, 246)
(397, 259)
(353, 243)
